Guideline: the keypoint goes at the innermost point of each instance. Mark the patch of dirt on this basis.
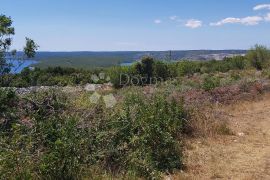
(243, 156)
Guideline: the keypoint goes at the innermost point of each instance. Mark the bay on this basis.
(18, 66)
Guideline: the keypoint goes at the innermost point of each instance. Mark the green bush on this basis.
(259, 57)
(48, 144)
(161, 71)
(187, 68)
(235, 76)
(64, 147)
(14, 139)
(237, 62)
(215, 66)
(210, 82)
(16, 155)
(8, 103)
(51, 76)
(141, 137)
(120, 76)
(145, 72)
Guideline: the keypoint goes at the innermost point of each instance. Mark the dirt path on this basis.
(244, 156)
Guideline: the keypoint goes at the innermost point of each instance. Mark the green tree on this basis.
(161, 70)
(146, 68)
(6, 31)
(259, 56)
(6, 54)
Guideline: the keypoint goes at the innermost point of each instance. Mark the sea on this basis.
(18, 66)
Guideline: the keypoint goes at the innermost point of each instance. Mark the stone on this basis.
(90, 87)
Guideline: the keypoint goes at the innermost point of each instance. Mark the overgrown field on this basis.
(53, 134)
(60, 134)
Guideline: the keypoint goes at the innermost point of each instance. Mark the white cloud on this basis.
(261, 6)
(249, 21)
(229, 20)
(267, 17)
(193, 23)
(173, 18)
(157, 21)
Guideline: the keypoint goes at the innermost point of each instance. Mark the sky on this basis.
(130, 25)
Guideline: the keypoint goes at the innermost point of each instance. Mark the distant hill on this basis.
(106, 59)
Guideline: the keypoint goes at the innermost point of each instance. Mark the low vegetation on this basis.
(139, 136)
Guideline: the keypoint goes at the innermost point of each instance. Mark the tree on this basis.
(6, 55)
(259, 56)
(145, 69)
(161, 71)
(5, 41)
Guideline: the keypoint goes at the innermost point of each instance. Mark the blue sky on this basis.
(105, 25)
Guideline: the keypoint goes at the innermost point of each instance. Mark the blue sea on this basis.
(18, 66)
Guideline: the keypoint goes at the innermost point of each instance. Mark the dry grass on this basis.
(245, 155)
(208, 122)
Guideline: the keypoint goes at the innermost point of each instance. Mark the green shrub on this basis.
(8, 103)
(16, 155)
(188, 68)
(121, 76)
(51, 76)
(238, 62)
(139, 137)
(48, 144)
(161, 71)
(235, 76)
(14, 140)
(259, 56)
(64, 148)
(210, 82)
(216, 66)
(142, 136)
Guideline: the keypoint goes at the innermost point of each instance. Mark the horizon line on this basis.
(141, 50)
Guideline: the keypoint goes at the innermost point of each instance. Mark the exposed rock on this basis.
(67, 89)
(93, 87)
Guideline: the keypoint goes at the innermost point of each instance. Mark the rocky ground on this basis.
(68, 89)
